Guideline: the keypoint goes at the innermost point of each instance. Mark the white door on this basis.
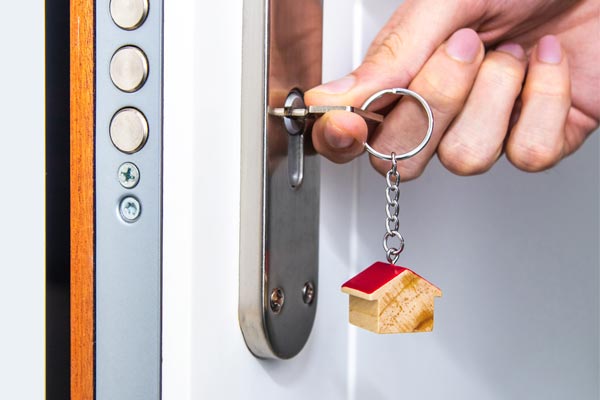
(516, 255)
(22, 169)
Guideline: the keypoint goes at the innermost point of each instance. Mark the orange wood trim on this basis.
(82, 199)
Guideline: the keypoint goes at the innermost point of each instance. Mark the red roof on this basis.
(374, 277)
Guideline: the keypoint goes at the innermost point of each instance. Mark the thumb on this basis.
(399, 51)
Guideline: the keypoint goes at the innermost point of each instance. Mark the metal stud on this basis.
(129, 130)
(129, 14)
(129, 69)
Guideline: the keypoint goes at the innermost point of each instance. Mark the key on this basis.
(317, 111)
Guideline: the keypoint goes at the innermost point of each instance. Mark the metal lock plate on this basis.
(280, 178)
(128, 199)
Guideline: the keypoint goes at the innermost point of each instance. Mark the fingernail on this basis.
(338, 141)
(341, 85)
(548, 50)
(463, 45)
(513, 49)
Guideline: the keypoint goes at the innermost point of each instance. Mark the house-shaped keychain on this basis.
(385, 298)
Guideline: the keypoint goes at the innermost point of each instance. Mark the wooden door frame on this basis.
(82, 64)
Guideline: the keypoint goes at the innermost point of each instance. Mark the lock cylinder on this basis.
(294, 126)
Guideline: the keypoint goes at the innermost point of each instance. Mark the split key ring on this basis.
(426, 107)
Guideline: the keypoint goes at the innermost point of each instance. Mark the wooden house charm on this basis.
(385, 298)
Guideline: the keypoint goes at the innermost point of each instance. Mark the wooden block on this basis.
(385, 298)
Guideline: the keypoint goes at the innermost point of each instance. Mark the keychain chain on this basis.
(392, 209)
(392, 192)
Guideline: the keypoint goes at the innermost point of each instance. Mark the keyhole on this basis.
(295, 129)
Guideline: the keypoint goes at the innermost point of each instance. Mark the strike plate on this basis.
(282, 50)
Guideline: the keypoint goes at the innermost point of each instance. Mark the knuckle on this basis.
(445, 96)
(391, 45)
(504, 74)
(554, 93)
(386, 60)
(532, 156)
(463, 159)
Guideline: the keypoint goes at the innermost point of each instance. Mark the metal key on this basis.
(294, 116)
(317, 111)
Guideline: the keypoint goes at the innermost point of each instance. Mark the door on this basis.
(501, 246)
(490, 242)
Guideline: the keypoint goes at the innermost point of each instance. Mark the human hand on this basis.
(534, 94)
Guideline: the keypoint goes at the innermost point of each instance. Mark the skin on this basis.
(519, 77)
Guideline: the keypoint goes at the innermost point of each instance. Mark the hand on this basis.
(534, 94)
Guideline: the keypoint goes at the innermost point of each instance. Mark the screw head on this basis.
(276, 300)
(130, 209)
(129, 175)
(308, 292)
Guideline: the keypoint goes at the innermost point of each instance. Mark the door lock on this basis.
(279, 215)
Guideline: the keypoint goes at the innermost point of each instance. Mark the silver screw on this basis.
(308, 292)
(130, 209)
(129, 175)
(276, 301)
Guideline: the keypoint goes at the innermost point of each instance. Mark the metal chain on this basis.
(392, 209)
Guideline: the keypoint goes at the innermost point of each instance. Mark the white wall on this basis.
(22, 200)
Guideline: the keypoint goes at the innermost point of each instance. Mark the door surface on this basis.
(498, 245)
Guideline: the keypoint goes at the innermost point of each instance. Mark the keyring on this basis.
(403, 92)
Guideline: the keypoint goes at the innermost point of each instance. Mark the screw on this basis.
(130, 209)
(129, 175)
(277, 299)
(308, 292)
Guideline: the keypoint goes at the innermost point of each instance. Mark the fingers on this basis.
(445, 82)
(537, 141)
(339, 135)
(474, 106)
(402, 47)
(475, 139)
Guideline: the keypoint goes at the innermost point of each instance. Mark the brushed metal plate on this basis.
(279, 235)
(128, 217)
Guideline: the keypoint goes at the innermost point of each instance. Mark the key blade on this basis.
(367, 115)
(317, 111)
(288, 112)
